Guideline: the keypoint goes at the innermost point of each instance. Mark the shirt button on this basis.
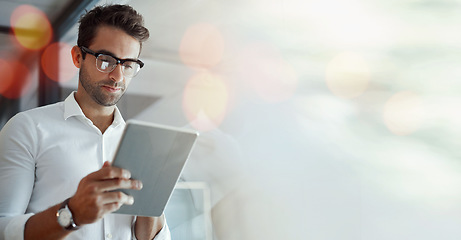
(109, 236)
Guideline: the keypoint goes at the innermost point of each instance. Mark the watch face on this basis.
(64, 217)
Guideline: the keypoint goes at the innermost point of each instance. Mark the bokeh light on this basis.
(205, 101)
(347, 75)
(270, 75)
(15, 79)
(31, 27)
(202, 46)
(403, 113)
(57, 62)
(7, 75)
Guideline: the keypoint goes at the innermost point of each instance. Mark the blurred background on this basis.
(319, 119)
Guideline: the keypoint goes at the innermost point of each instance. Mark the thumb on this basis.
(106, 164)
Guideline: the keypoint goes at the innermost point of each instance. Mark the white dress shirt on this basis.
(44, 153)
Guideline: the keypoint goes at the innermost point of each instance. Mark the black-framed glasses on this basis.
(107, 63)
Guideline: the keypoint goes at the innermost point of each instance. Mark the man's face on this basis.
(106, 89)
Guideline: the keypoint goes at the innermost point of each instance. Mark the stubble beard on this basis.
(94, 89)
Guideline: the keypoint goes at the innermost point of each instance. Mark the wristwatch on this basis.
(64, 216)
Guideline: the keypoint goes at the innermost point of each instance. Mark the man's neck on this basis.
(101, 116)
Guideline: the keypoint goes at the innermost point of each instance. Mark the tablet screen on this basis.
(156, 155)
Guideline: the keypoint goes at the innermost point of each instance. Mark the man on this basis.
(56, 180)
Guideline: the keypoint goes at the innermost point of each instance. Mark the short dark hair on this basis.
(123, 17)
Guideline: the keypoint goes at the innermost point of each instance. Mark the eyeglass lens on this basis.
(106, 63)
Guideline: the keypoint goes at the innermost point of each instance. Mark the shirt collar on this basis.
(118, 119)
(72, 109)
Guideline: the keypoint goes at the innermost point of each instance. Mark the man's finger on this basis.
(109, 172)
(118, 183)
(117, 197)
(106, 164)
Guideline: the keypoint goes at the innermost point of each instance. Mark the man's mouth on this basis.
(111, 89)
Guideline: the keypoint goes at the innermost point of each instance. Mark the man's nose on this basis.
(117, 74)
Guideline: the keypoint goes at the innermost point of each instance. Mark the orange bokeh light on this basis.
(15, 79)
(31, 27)
(7, 76)
(205, 101)
(57, 62)
(202, 46)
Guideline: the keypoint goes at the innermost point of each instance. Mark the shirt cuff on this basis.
(15, 228)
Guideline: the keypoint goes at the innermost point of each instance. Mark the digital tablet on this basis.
(156, 155)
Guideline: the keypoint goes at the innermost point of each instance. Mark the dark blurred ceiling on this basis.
(62, 15)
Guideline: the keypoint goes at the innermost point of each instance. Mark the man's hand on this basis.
(148, 227)
(96, 195)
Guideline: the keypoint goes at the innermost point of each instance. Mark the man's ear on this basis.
(76, 56)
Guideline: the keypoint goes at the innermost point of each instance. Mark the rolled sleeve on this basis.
(14, 227)
(17, 168)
